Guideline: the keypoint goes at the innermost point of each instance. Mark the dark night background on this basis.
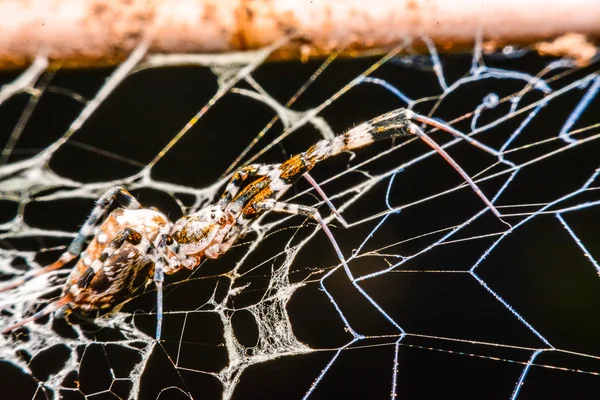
(539, 270)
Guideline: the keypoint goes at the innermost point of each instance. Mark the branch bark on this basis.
(81, 33)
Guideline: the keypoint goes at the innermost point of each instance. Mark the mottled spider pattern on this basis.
(134, 245)
(115, 263)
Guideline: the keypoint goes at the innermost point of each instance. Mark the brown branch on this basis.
(77, 33)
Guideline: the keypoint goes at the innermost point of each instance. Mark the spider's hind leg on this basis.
(50, 308)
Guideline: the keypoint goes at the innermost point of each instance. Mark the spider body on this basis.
(197, 233)
(134, 244)
(115, 263)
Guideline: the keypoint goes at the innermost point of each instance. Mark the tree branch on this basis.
(78, 33)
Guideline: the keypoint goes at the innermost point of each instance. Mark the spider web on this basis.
(441, 298)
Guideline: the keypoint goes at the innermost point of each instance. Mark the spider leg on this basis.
(125, 200)
(396, 123)
(159, 277)
(50, 308)
(235, 183)
(414, 128)
(321, 193)
(311, 212)
(400, 120)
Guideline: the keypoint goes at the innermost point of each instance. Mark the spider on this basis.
(135, 245)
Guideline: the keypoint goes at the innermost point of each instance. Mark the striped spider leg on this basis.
(242, 202)
(257, 188)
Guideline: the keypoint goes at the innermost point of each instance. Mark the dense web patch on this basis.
(440, 297)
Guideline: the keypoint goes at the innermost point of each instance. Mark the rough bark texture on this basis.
(77, 33)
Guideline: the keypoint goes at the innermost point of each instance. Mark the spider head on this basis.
(196, 232)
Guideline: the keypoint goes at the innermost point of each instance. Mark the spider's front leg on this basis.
(118, 194)
(235, 183)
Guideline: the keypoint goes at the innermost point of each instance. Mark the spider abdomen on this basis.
(112, 268)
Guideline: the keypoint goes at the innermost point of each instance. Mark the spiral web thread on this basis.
(385, 257)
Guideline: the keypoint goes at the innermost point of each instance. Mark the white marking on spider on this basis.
(74, 289)
(359, 140)
(278, 184)
(96, 265)
(102, 238)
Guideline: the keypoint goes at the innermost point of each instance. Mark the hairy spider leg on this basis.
(127, 235)
(246, 203)
(118, 194)
(252, 170)
(54, 306)
(281, 177)
(241, 175)
(159, 278)
(260, 196)
(396, 123)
